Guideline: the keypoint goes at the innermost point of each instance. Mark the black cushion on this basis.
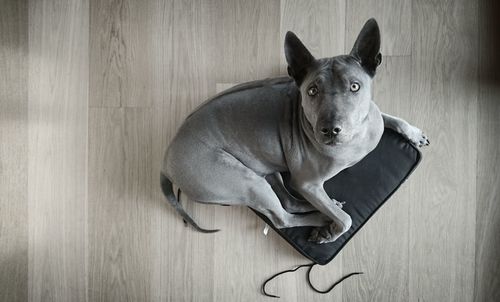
(365, 187)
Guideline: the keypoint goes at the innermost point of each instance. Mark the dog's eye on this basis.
(354, 86)
(312, 91)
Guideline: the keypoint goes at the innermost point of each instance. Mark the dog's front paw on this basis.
(324, 234)
(416, 136)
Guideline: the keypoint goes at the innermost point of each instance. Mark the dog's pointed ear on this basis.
(367, 47)
(297, 57)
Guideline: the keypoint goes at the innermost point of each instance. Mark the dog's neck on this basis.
(303, 122)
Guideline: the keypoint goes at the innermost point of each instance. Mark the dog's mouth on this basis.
(335, 141)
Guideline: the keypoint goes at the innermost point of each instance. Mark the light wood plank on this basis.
(319, 24)
(184, 78)
(321, 27)
(242, 238)
(380, 249)
(183, 258)
(394, 18)
(247, 45)
(121, 63)
(120, 204)
(444, 103)
(13, 151)
(487, 276)
(57, 170)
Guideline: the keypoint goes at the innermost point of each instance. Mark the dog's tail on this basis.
(168, 191)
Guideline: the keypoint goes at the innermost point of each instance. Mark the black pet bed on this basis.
(365, 187)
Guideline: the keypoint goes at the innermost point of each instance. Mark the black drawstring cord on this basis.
(308, 279)
(331, 287)
(280, 273)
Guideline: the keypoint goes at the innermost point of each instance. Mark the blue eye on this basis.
(312, 91)
(355, 86)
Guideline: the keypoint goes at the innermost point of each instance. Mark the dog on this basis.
(315, 123)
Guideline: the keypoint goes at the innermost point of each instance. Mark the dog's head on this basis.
(336, 92)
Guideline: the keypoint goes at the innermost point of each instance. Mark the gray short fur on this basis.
(313, 124)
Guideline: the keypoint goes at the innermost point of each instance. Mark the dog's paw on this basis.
(416, 136)
(324, 234)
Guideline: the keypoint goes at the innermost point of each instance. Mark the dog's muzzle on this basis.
(332, 138)
(331, 135)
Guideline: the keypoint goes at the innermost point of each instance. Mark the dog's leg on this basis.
(288, 201)
(412, 133)
(263, 199)
(316, 195)
(227, 180)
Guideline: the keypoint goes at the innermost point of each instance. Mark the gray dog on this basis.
(315, 124)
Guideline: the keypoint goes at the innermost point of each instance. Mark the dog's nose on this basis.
(330, 132)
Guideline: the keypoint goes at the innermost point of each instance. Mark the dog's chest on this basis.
(345, 156)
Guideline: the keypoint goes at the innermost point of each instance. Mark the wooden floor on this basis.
(91, 93)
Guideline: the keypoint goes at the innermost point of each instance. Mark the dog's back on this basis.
(243, 121)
